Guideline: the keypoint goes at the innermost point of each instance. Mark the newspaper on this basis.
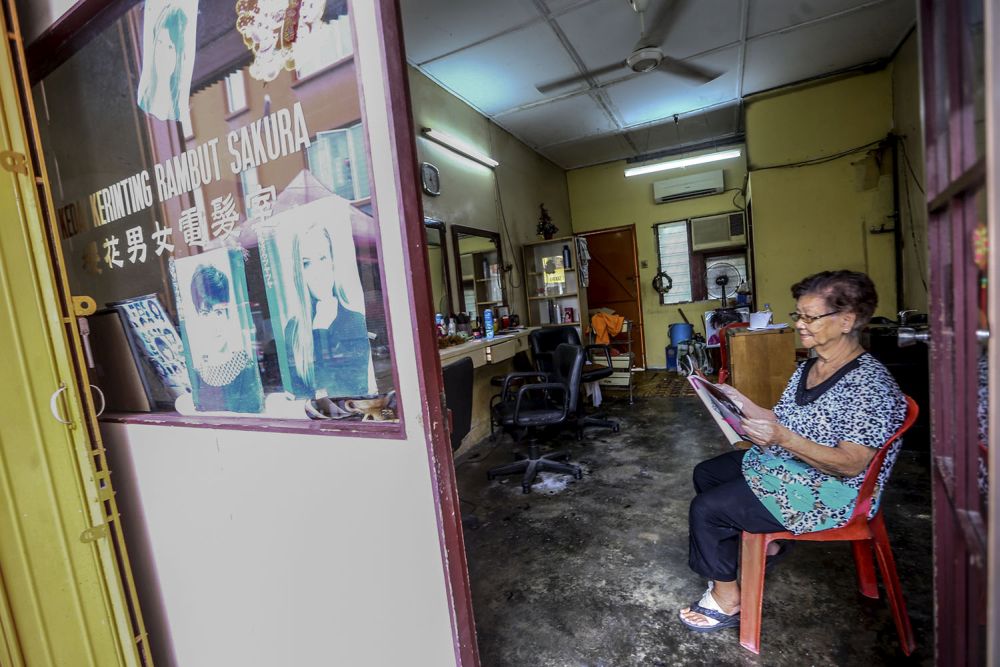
(722, 408)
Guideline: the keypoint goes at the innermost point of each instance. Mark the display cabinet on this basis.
(552, 283)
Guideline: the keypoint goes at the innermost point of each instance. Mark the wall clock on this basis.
(430, 178)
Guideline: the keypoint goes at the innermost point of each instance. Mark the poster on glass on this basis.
(316, 299)
(217, 330)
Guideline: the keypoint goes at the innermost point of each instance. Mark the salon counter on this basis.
(490, 358)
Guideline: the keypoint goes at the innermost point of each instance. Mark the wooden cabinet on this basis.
(552, 284)
(761, 362)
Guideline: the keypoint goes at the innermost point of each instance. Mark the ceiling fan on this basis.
(647, 54)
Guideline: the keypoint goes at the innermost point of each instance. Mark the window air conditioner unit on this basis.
(718, 231)
(682, 187)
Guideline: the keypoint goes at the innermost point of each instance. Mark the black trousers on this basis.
(724, 508)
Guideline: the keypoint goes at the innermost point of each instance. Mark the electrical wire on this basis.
(820, 160)
(913, 232)
(503, 222)
(909, 166)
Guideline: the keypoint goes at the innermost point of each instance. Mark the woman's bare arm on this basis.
(845, 459)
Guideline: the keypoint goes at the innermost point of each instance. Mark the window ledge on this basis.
(376, 430)
(349, 58)
(236, 114)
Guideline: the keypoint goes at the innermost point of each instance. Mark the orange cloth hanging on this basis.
(606, 326)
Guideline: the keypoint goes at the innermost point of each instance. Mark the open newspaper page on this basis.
(725, 413)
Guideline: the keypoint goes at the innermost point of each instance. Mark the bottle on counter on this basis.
(488, 323)
(567, 258)
(452, 326)
(770, 315)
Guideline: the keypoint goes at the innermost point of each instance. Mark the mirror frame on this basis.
(456, 232)
(441, 228)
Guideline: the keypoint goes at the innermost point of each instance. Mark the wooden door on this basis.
(959, 133)
(614, 280)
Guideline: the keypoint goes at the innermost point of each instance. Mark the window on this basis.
(236, 92)
(250, 184)
(337, 159)
(330, 43)
(236, 294)
(186, 126)
(691, 271)
(675, 260)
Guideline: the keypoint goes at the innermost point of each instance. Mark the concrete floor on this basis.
(592, 572)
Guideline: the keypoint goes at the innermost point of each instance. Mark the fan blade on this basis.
(570, 80)
(694, 73)
(659, 22)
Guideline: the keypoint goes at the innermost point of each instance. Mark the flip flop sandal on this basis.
(709, 608)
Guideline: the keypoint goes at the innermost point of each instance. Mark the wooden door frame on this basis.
(992, 75)
(963, 538)
(638, 285)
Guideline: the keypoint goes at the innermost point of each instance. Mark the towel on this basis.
(583, 261)
(606, 326)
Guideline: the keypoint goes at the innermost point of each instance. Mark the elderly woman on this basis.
(811, 451)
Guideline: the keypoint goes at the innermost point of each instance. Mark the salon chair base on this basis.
(534, 464)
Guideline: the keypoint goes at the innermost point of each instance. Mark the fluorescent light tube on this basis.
(459, 147)
(682, 162)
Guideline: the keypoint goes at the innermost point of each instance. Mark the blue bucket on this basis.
(680, 332)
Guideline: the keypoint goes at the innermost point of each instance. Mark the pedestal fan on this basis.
(721, 281)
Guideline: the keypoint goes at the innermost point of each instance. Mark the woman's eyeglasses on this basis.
(809, 319)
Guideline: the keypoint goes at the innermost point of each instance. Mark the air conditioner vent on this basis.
(718, 231)
(692, 185)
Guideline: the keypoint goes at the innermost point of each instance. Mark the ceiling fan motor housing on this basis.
(644, 59)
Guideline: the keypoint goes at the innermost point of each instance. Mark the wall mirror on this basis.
(434, 232)
(478, 262)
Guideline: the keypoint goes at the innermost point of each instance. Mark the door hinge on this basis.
(95, 533)
(84, 306)
(14, 162)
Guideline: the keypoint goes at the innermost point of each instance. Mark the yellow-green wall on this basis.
(469, 191)
(908, 124)
(812, 218)
(601, 197)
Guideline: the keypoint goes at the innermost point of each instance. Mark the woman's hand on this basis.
(746, 406)
(764, 432)
(734, 394)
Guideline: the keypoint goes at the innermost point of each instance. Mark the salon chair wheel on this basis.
(615, 428)
(578, 474)
(526, 488)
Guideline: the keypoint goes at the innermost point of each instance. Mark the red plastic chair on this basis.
(723, 352)
(859, 531)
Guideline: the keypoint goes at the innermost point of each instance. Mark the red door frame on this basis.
(428, 359)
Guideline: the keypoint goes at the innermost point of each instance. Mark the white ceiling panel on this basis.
(433, 28)
(589, 151)
(697, 27)
(558, 121)
(825, 47)
(769, 15)
(701, 26)
(645, 98)
(501, 74)
(688, 130)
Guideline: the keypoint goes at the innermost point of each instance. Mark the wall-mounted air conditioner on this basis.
(718, 231)
(693, 185)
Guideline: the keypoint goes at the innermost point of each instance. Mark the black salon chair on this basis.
(527, 409)
(545, 340)
(458, 397)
